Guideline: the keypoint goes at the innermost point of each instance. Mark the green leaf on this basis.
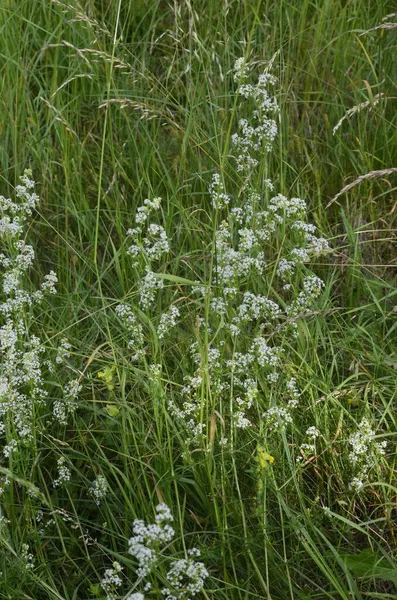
(95, 589)
(368, 565)
(177, 279)
(112, 410)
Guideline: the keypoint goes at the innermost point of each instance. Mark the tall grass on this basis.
(110, 103)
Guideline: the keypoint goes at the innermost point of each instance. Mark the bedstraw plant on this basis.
(196, 308)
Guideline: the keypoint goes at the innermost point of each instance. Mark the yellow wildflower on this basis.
(264, 458)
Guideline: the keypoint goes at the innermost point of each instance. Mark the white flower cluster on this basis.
(244, 401)
(63, 351)
(312, 288)
(111, 581)
(259, 136)
(236, 263)
(150, 244)
(147, 539)
(290, 212)
(189, 414)
(364, 454)
(66, 405)
(265, 355)
(4, 484)
(168, 320)
(22, 389)
(241, 69)
(156, 243)
(218, 305)
(278, 417)
(185, 577)
(293, 392)
(308, 448)
(14, 214)
(134, 328)
(255, 307)
(312, 432)
(27, 557)
(64, 473)
(217, 191)
(98, 489)
(260, 287)
(10, 448)
(243, 251)
(208, 366)
(148, 288)
(49, 283)
(21, 381)
(155, 370)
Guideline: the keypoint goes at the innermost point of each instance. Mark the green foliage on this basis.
(368, 565)
(109, 103)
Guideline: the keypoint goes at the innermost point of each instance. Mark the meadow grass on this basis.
(110, 103)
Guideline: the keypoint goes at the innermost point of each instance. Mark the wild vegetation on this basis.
(197, 305)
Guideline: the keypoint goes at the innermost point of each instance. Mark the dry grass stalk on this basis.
(382, 26)
(117, 63)
(147, 113)
(59, 117)
(370, 175)
(81, 16)
(357, 109)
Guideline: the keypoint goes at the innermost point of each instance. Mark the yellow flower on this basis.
(264, 458)
(107, 375)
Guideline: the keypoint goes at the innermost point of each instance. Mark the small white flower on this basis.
(111, 581)
(148, 287)
(98, 489)
(63, 351)
(10, 448)
(356, 484)
(312, 432)
(186, 575)
(217, 190)
(273, 377)
(27, 557)
(240, 421)
(277, 417)
(168, 320)
(144, 544)
(364, 454)
(64, 473)
(134, 328)
(240, 69)
(49, 283)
